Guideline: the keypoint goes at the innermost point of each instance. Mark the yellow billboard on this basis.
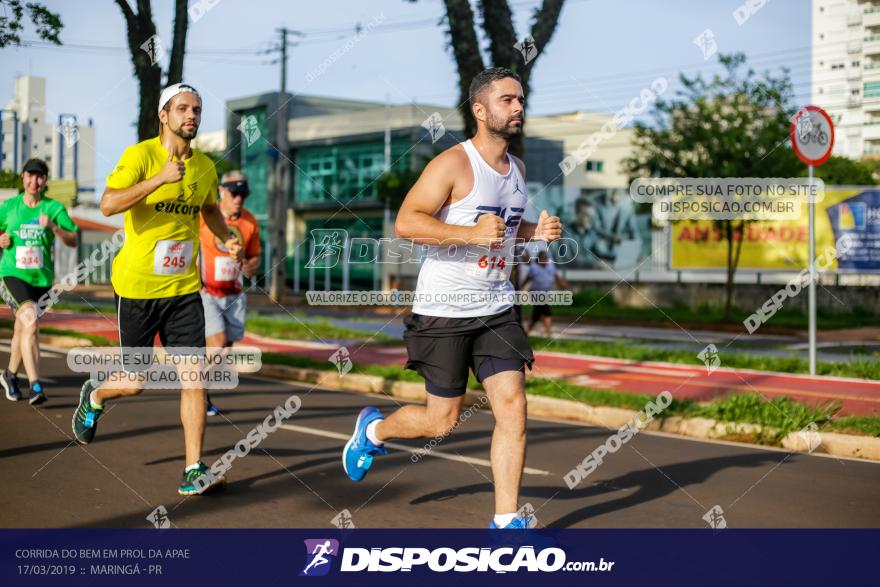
(767, 245)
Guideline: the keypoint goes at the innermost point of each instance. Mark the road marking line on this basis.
(403, 447)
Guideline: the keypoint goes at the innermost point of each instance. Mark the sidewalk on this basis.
(832, 345)
(858, 397)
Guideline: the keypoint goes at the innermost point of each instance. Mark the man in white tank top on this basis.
(467, 206)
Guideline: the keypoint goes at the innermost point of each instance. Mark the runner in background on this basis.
(29, 223)
(222, 295)
(542, 277)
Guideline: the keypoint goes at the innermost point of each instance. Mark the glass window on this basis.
(340, 174)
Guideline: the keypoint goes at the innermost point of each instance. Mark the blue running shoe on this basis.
(85, 418)
(211, 410)
(357, 456)
(518, 523)
(38, 396)
(10, 385)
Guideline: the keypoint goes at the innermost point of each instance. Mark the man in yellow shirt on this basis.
(162, 185)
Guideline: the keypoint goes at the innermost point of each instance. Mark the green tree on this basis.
(48, 23)
(497, 24)
(221, 164)
(844, 171)
(146, 49)
(872, 164)
(394, 184)
(8, 179)
(736, 124)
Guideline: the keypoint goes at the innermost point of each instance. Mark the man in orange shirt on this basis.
(222, 296)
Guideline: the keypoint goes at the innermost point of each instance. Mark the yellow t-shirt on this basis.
(160, 256)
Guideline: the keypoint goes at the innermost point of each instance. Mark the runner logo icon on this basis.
(320, 554)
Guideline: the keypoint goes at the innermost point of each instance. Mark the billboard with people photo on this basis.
(607, 230)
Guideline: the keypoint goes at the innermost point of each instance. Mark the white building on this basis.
(845, 67)
(28, 129)
(601, 171)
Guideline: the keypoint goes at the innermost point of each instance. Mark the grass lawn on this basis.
(863, 367)
(321, 329)
(782, 413)
(597, 305)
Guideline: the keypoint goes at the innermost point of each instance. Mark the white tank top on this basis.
(470, 280)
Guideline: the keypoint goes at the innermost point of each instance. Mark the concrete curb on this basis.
(56, 340)
(842, 445)
(357, 382)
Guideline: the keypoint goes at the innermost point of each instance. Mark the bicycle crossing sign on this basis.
(812, 135)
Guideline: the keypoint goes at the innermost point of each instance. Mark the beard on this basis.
(504, 127)
(185, 134)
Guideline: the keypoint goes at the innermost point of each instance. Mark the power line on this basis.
(693, 69)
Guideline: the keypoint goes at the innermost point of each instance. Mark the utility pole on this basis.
(386, 217)
(279, 181)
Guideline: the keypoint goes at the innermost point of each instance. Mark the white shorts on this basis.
(225, 314)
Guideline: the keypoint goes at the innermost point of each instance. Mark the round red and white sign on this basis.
(812, 135)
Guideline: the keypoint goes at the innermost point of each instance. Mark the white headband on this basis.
(172, 91)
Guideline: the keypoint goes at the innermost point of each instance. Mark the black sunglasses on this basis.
(237, 187)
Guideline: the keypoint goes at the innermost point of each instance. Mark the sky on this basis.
(602, 54)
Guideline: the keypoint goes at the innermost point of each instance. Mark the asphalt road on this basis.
(295, 477)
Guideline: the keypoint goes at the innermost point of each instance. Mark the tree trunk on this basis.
(466, 50)
(728, 286)
(150, 78)
(733, 254)
(739, 245)
(147, 67)
(543, 26)
(497, 22)
(178, 48)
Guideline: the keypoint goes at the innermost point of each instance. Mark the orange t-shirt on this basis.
(220, 274)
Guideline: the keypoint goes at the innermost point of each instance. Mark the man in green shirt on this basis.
(29, 223)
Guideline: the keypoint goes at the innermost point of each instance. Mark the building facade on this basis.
(340, 151)
(845, 67)
(29, 129)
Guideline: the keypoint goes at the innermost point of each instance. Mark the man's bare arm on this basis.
(250, 266)
(68, 237)
(416, 220)
(548, 228)
(115, 201)
(526, 230)
(215, 221)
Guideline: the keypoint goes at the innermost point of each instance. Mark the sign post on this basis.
(812, 137)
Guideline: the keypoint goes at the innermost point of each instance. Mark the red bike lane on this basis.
(857, 396)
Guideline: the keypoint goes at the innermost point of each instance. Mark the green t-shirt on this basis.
(30, 256)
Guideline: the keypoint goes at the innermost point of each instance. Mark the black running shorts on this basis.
(539, 311)
(179, 321)
(443, 350)
(16, 292)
